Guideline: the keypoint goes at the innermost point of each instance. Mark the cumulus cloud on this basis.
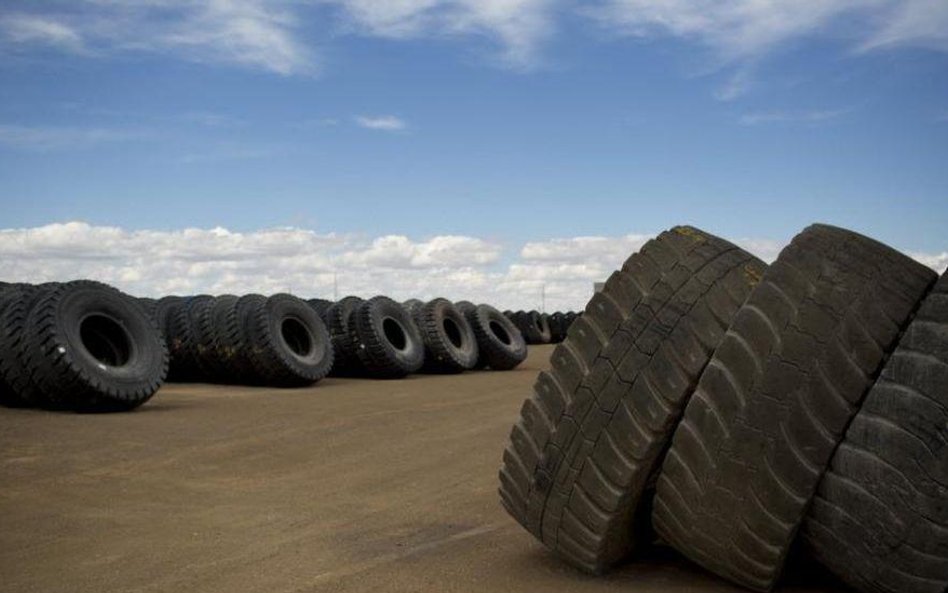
(558, 272)
(385, 123)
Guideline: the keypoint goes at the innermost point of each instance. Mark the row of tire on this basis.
(286, 341)
(86, 346)
(542, 328)
(735, 411)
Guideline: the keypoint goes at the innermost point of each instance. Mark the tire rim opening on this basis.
(394, 333)
(453, 332)
(500, 332)
(297, 337)
(106, 340)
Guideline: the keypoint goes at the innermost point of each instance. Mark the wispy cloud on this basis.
(49, 138)
(520, 27)
(385, 123)
(26, 29)
(252, 33)
(790, 117)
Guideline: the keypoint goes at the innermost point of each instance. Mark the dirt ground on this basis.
(351, 485)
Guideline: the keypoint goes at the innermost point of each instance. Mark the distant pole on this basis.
(335, 286)
(543, 298)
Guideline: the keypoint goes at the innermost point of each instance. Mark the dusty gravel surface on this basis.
(352, 485)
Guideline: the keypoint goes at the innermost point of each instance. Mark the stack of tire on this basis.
(383, 339)
(251, 339)
(79, 345)
(734, 410)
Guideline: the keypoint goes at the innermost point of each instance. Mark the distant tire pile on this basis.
(542, 328)
(727, 407)
(78, 345)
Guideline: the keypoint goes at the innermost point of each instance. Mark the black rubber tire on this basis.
(879, 520)
(288, 344)
(19, 386)
(776, 398)
(412, 306)
(196, 308)
(389, 343)
(171, 317)
(13, 376)
(557, 327)
(465, 307)
(148, 304)
(320, 306)
(337, 318)
(450, 345)
(232, 361)
(500, 343)
(92, 348)
(582, 459)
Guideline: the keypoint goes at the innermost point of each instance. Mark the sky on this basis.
(507, 151)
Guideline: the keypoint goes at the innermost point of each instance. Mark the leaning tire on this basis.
(583, 456)
(287, 341)
(93, 348)
(776, 397)
(499, 342)
(389, 344)
(879, 520)
(338, 318)
(18, 386)
(450, 345)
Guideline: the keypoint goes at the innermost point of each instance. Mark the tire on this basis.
(412, 305)
(450, 345)
(230, 346)
(389, 343)
(499, 342)
(203, 340)
(19, 388)
(320, 306)
(775, 399)
(338, 316)
(171, 317)
(557, 327)
(288, 344)
(465, 307)
(581, 461)
(879, 520)
(92, 348)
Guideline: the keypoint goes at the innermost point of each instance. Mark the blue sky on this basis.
(509, 121)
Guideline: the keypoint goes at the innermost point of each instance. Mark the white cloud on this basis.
(253, 33)
(217, 261)
(519, 26)
(46, 138)
(783, 117)
(37, 30)
(742, 29)
(386, 123)
(935, 261)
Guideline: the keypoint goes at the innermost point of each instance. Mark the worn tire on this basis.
(879, 520)
(171, 316)
(776, 397)
(412, 305)
(320, 306)
(450, 345)
(338, 317)
(90, 347)
(389, 343)
(499, 341)
(287, 343)
(582, 457)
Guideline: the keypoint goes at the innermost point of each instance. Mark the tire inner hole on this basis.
(394, 333)
(297, 337)
(499, 331)
(106, 340)
(453, 332)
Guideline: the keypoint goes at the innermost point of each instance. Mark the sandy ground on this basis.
(351, 485)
